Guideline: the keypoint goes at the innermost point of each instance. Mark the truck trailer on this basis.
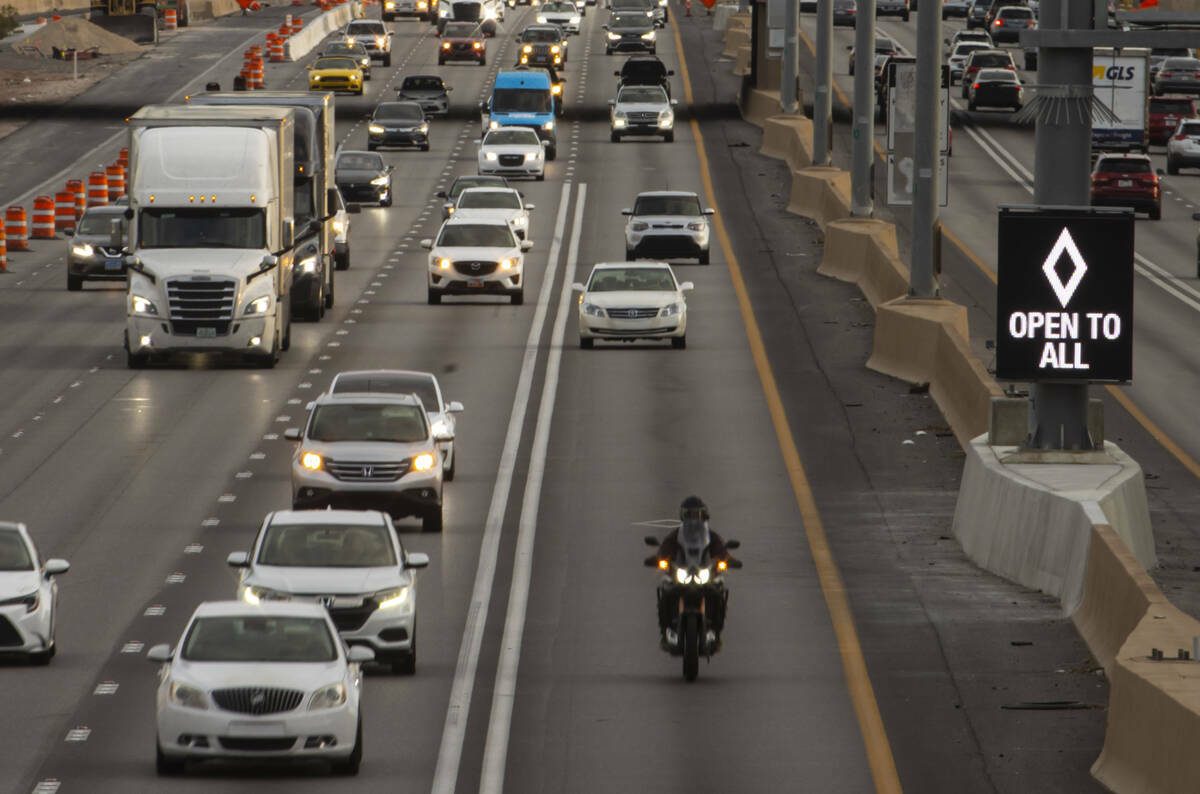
(1121, 81)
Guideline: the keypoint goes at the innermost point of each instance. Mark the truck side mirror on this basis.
(353, 209)
(331, 198)
(269, 261)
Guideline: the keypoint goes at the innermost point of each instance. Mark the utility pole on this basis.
(926, 134)
(823, 85)
(789, 74)
(862, 184)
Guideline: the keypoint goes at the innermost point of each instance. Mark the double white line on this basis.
(445, 776)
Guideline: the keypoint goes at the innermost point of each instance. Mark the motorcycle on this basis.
(692, 600)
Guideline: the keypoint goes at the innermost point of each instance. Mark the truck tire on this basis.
(329, 292)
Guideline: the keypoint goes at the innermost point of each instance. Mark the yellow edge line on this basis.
(862, 695)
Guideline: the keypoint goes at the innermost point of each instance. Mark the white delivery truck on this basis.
(211, 232)
(1121, 81)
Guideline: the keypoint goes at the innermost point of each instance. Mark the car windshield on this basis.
(984, 60)
(997, 75)
(202, 227)
(341, 48)
(1166, 52)
(360, 162)
(259, 638)
(560, 8)
(1189, 129)
(422, 84)
(101, 223)
(1015, 13)
(540, 36)
(489, 199)
(638, 279)
(389, 383)
(335, 63)
(652, 94)
(384, 422)
(521, 100)
(969, 47)
(1122, 165)
(475, 235)
(1178, 107)
(327, 546)
(365, 29)
(399, 111)
(517, 136)
(464, 182)
(667, 205)
(629, 21)
(1182, 64)
(14, 554)
(461, 30)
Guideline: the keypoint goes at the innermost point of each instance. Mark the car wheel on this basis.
(541, 177)
(74, 283)
(1172, 167)
(432, 521)
(164, 765)
(970, 106)
(387, 59)
(366, 75)
(517, 298)
(441, 61)
(964, 89)
(138, 361)
(669, 137)
(353, 761)
(551, 153)
(483, 61)
(424, 147)
(287, 334)
(1156, 213)
(679, 342)
(42, 658)
(905, 17)
(448, 472)
(342, 262)
(359, 91)
(586, 342)
(614, 136)
(630, 254)
(434, 297)
(704, 257)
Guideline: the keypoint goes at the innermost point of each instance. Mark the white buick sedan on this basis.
(259, 682)
(28, 595)
(626, 301)
(512, 151)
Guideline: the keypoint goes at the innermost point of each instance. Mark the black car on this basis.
(644, 70)
(995, 88)
(895, 8)
(398, 124)
(428, 91)
(362, 176)
(629, 32)
(310, 298)
(845, 12)
(462, 183)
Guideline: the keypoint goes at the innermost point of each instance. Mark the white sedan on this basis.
(512, 151)
(476, 258)
(28, 594)
(563, 13)
(258, 682)
(625, 301)
(489, 203)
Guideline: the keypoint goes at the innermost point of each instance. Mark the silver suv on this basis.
(374, 36)
(370, 451)
(667, 224)
(642, 110)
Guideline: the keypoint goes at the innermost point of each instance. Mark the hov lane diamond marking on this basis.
(1065, 243)
(47, 786)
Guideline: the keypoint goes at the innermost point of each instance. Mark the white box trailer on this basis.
(1121, 81)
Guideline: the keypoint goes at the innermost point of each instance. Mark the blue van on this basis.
(522, 99)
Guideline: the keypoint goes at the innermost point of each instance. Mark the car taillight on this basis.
(1165, 74)
(976, 85)
(1100, 180)
(997, 23)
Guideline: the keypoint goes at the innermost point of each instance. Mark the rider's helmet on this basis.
(693, 509)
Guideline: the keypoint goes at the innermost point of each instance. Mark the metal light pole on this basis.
(925, 150)
(863, 154)
(823, 85)
(788, 89)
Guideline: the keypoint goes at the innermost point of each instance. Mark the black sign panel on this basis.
(1064, 301)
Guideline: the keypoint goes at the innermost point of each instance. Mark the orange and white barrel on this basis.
(297, 25)
(64, 210)
(76, 188)
(258, 73)
(16, 229)
(3, 250)
(170, 19)
(97, 189)
(43, 218)
(123, 157)
(114, 178)
(275, 50)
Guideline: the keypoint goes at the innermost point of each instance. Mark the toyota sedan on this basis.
(625, 302)
(28, 595)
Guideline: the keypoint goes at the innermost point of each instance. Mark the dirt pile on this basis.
(77, 33)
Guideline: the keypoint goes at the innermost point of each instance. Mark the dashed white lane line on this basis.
(79, 734)
(133, 646)
(105, 688)
(154, 611)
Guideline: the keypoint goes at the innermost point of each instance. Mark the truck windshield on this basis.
(521, 100)
(201, 227)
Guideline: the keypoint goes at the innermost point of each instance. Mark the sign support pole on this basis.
(789, 85)
(823, 85)
(925, 239)
(862, 184)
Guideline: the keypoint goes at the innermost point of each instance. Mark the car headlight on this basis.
(493, 125)
(311, 461)
(377, 130)
(520, 220)
(697, 226)
(666, 119)
(506, 264)
(592, 310)
(555, 48)
(549, 125)
(614, 36)
(682, 576)
(476, 44)
(379, 40)
(671, 310)
(541, 20)
(619, 121)
(327, 697)
(83, 250)
(256, 595)
(445, 45)
(638, 226)
(489, 155)
(444, 263)
(574, 21)
(424, 129)
(703, 575)
(392, 598)
(423, 462)
(31, 601)
(350, 40)
(188, 696)
(527, 48)
(556, 89)
(140, 305)
(258, 305)
(648, 36)
(530, 156)
(379, 180)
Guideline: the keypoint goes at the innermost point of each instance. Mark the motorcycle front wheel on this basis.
(690, 637)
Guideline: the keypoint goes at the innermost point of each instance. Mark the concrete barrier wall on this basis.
(736, 37)
(788, 138)
(821, 193)
(313, 33)
(757, 105)
(721, 14)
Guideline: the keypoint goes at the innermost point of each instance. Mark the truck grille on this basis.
(475, 268)
(632, 314)
(257, 700)
(201, 304)
(366, 471)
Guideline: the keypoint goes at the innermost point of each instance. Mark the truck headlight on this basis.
(188, 696)
(376, 130)
(327, 697)
(258, 305)
(527, 48)
(549, 125)
(556, 89)
(339, 227)
(140, 305)
(392, 598)
(555, 49)
(423, 462)
(648, 35)
(592, 310)
(84, 250)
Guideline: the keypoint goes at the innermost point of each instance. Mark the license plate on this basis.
(475, 283)
(1124, 183)
(113, 264)
(206, 333)
(247, 728)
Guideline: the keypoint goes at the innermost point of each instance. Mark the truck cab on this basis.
(522, 99)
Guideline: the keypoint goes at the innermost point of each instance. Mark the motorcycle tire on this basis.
(691, 646)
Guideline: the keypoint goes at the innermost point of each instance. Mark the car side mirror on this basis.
(292, 434)
(612, 102)
(526, 245)
(353, 209)
(627, 212)
(440, 194)
(733, 544)
(416, 559)
(389, 169)
(269, 261)
(427, 243)
(674, 102)
(238, 559)
(359, 654)
(709, 211)
(732, 563)
(617, 73)
(650, 540)
(160, 653)
(309, 67)
(578, 287)
(443, 435)
(449, 88)
(454, 407)
(55, 567)
(670, 73)
(605, 26)
(686, 286)
(544, 143)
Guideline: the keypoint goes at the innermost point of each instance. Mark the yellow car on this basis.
(335, 73)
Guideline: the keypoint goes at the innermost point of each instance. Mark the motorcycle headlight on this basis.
(188, 696)
(682, 576)
(592, 310)
(423, 462)
(614, 36)
(549, 125)
(648, 36)
(670, 310)
(489, 155)
(140, 305)
(703, 575)
(258, 305)
(327, 697)
(380, 180)
(638, 226)
(308, 264)
(392, 598)
(377, 130)
(311, 461)
(83, 250)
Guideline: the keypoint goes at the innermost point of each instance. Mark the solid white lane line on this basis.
(495, 751)
(445, 775)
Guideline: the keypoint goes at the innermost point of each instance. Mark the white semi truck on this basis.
(1121, 81)
(211, 232)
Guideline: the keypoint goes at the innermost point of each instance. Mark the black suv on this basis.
(644, 70)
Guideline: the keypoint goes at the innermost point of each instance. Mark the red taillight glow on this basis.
(976, 85)
(997, 23)
(1165, 74)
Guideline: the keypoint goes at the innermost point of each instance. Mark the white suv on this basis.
(1183, 148)
(642, 110)
(476, 257)
(374, 35)
(667, 224)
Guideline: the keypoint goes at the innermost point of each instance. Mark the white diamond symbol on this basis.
(1064, 291)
